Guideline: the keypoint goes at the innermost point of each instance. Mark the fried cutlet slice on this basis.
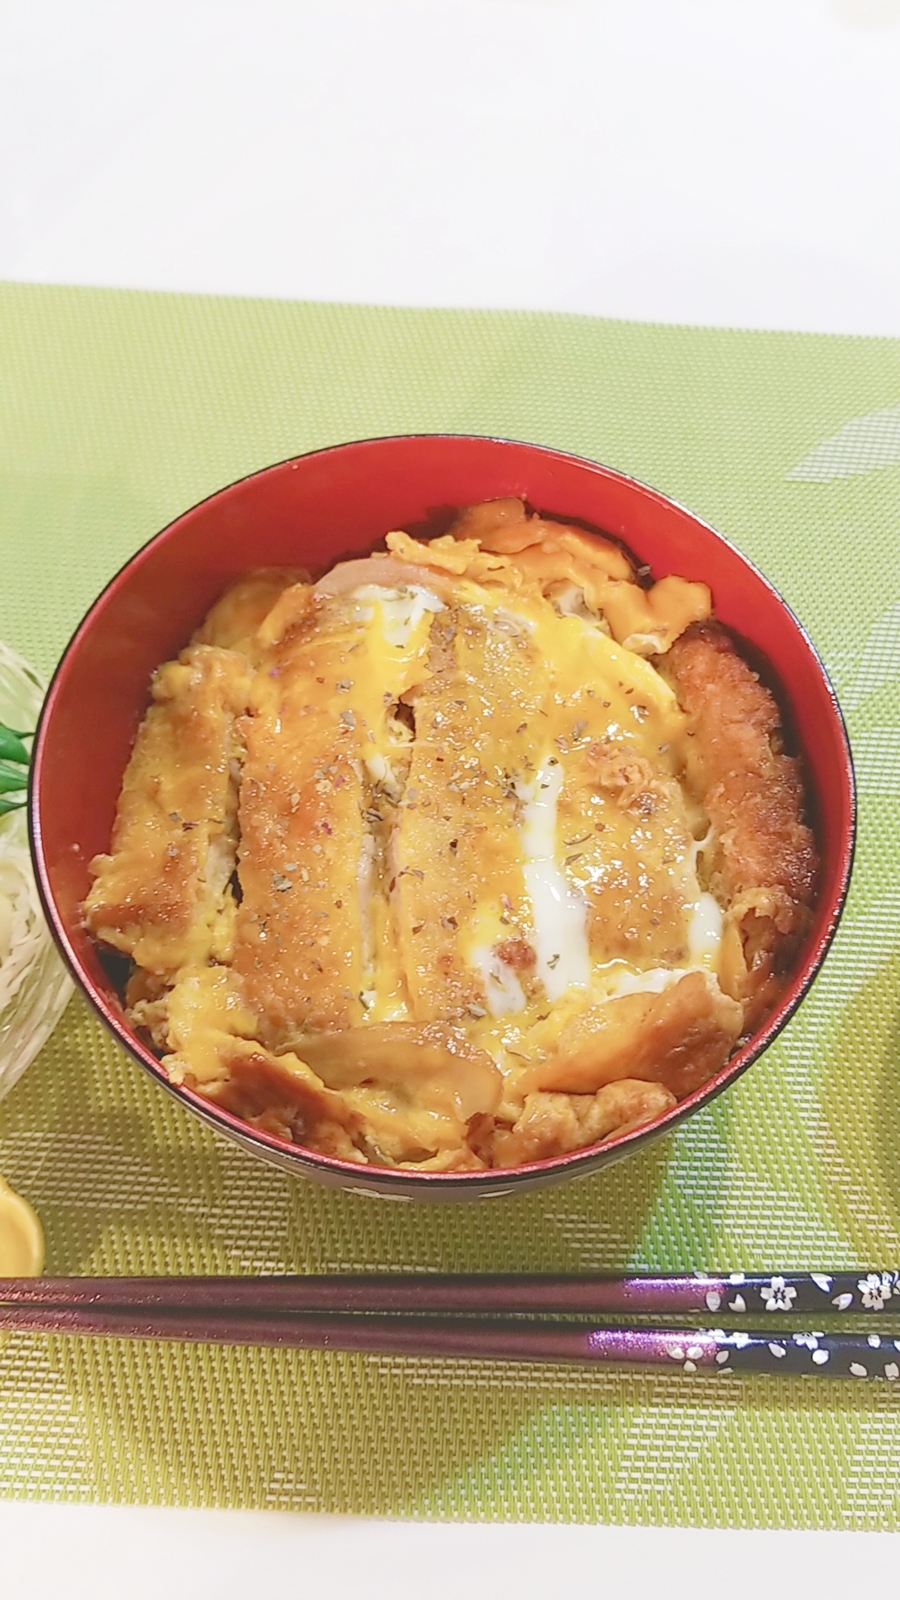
(162, 894)
(761, 861)
(542, 828)
(458, 884)
(628, 850)
(297, 934)
(318, 740)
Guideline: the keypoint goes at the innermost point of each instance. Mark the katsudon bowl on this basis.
(311, 512)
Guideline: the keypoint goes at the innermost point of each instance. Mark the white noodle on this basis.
(22, 928)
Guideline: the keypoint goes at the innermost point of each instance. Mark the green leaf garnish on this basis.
(11, 746)
(14, 760)
(12, 777)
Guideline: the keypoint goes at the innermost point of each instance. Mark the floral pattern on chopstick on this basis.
(801, 1354)
(798, 1291)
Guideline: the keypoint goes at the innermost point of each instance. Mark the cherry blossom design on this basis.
(875, 1289)
(778, 1295)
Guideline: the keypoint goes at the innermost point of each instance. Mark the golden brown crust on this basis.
(310, 812)
(626, 823)
(162, 894)
(762, 861)
(455, 842)
(297, 933)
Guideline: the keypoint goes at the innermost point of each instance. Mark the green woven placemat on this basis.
(117, 410)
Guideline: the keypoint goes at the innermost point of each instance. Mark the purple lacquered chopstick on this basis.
(674, 1350)
(593, 1294)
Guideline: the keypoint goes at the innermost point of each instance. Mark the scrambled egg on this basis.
(460, 857)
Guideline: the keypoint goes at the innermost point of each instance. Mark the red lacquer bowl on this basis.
(331, 504)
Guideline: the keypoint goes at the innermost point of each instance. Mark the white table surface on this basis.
(729, 162)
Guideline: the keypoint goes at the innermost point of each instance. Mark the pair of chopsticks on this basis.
(489, 1317)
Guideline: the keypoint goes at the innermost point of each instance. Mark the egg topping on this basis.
(434, 877)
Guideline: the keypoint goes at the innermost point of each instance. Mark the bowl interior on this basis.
(339, 502)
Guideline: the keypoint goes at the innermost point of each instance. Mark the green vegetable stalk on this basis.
(14, 759)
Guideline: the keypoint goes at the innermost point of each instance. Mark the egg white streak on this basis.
(706, 919)
(610, 985)
(397, 613)
(401, 609)
(705, 932)
(502, 988)
(611, 982)
(383, 775)
(377, 766)
(559, 912)
(568, 599)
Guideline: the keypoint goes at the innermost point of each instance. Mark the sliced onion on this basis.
(388, 573)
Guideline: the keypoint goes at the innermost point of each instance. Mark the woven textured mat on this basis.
(118, 410)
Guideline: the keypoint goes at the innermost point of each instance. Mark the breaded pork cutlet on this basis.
(471, 853)
(760, 861)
